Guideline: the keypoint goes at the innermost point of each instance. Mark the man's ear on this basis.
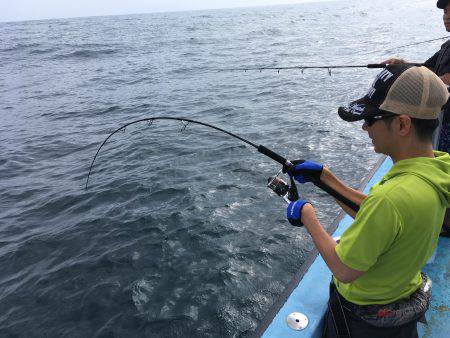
(403, 125)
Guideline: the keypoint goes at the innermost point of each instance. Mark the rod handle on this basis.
(376, 65)
(385, 65)
(273, 155)
(336, 195)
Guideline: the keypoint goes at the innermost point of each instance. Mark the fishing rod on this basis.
(288, 193)
(370, 65)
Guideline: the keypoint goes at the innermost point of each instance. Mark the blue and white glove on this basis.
(294, 212)
(306, 171)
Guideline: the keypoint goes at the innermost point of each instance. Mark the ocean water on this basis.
(177, 235)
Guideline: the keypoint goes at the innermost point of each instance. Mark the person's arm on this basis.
(374, 231)
(353, 195)
(445, 78)
(431, 62)
(325, 244)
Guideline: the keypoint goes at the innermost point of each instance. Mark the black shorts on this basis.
(341, 322)
(360, 329)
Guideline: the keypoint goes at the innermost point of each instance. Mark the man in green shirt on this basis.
(379, 257)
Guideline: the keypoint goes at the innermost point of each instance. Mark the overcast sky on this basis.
(17, 10)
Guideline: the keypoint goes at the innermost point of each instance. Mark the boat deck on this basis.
(438, 315)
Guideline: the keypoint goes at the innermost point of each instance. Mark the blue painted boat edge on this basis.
(438, 314)
(308, 291)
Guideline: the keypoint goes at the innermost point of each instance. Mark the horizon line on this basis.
(160, 12)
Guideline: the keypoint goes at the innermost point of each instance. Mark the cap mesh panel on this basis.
(436, 94)
(408, 91)
(417, 92)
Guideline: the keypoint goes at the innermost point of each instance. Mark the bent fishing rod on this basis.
(282, 191)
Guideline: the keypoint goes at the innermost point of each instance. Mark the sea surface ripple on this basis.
(177, 235)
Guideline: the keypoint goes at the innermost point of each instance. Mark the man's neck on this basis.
(411, 150)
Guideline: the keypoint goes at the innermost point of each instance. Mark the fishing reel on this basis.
(287, 191)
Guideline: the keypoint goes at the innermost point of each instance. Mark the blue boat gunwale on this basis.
(312, 256)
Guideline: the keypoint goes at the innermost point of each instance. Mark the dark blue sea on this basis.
(177, 234)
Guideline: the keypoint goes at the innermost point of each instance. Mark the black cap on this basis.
(442, 3)
(402, 90)
(369, 105)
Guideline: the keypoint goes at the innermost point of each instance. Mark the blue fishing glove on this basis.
(305, 171)
(294, 212)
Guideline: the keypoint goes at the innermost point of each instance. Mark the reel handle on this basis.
(318, 183)
(293, 191)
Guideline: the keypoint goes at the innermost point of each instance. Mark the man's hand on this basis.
(446, 78)
(306, 171)
(294, 212)
(393, 61)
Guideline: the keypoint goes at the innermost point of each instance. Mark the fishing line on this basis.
(411, 44)
(287, 165)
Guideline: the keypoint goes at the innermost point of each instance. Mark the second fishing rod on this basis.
(329, 67)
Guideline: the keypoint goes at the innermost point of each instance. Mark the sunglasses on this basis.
(372, 119)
